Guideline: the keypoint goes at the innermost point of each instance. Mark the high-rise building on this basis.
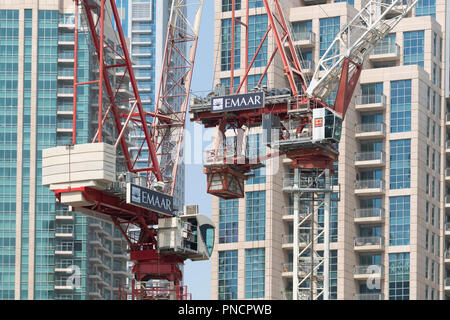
(46, 251)
(392, 218)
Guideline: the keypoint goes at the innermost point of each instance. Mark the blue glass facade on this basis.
(228, 220)
(9, 61)
(254, 273)
(226, 45)
(255, 149)
(401, 106)
(256, 30)
(426, 8)
(400, 159)
(399, 276)
(399, 220)
(228, 275)
(413, 48)
(255, 222)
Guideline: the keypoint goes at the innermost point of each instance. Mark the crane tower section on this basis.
(105, 180)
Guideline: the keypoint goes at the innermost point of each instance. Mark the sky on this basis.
(197, 275)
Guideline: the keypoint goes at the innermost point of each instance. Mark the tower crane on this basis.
(298, 123)
(105, 179)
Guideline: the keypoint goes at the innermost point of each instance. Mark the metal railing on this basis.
(289, 211)
(370, 127)
(447, 282)
(304, 36)
(288, 267)
(64, 263)
(369, 213)
(447, 117)
(369, 241)
(447, 144)
(369, 156)
(65, 73)
(447, 226)
(64, 229)
(369, 269)
(67, 19)
(64, 247)
(66, 55)
(307, 65)
(369, 184)
(369, 296)
(372, 99)
(387, 47)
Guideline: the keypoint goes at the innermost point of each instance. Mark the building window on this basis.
(228, 220)
(413, 48)
(228, 275)
(400, 106)
(333, 274)
(329, 28)
(227, 83)
(399, 220)
(255, 228)
(256, 31)
(226, 45)
(400, 157)
(255, 149)
(426, 8)
(255, 4)
(372, 93)
(399, 276)
(227, 5)
(427, 262)
(252, 81)
(301, 30)
(254, 273)
(350, 2)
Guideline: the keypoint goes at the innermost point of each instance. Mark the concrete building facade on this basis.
(391, 217)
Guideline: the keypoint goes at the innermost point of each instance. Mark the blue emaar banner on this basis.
(244, 101)
(149, 199)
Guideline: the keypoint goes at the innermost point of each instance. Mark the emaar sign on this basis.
(149, 199)
(244, 101)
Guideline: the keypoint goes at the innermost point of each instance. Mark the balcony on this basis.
(373, 102)
(63, 284)
(287, 240)
(369, 215)
(304, 39)
(370, 159)
(288, 213)
(369, 187)
(364, 272)
(447, 257)
(64, 232)
(447, 119)
(369, 296)
(386, 52)
(307, 67)
(369, 244)
(447, 228)
(370, 130)
(64, 216)
(287, 269)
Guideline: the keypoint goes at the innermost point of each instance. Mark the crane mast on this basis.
(105, 179)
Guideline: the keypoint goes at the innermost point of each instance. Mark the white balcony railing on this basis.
(369, 241)
(369, 213)
(369, 184)
(369, 156)
(370, 127)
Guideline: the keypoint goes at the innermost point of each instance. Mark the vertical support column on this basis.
(101, 67)
(75, 77)
(326, 241)
(295, 254)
